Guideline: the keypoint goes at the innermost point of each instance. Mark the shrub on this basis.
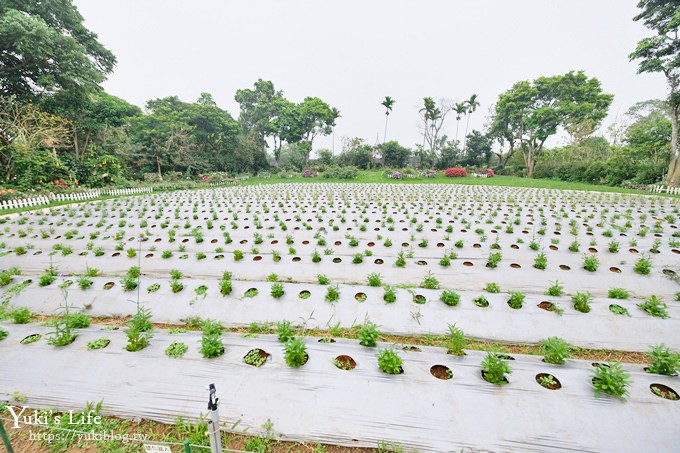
(455, 341)
(516, 299)
(390, 295)
(368, 334)
(450, 297)
(582, 301)
(455, 172)
(284, 330)
(341, 173)
(664, 361)
(618, 293)
(374, 279)
(611, 379)
(295, 353)
(655, 307)
(389, 361)
(555, 350)
(211, 339)
(494, 369)
(490, 173)
(556, 289)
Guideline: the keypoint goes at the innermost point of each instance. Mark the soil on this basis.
(556, 386)
(441, 372)
(545, 305)
(347, 362)
(664, 391)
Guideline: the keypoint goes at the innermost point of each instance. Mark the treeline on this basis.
(59, 128)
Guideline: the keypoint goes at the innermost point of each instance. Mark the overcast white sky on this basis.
(352, 53)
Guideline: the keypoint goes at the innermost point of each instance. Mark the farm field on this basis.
(510, 265)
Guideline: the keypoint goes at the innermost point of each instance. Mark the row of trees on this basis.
(57, 123)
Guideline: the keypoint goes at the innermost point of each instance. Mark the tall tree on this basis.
(433, 115)
(388, 102)
(335, 114)
(44, 46)
(661, 53)
(530, 112)
(313, 117)
(461, 109)
(471, 105)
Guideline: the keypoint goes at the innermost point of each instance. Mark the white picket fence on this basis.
(665, 189)
(80, 196)
(479, 175)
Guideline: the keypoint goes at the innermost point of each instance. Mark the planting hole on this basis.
(547, 306)
(257, 258)
(244, 241)
(305, 242)
(553, 247)
(514, 246)
(360, 297)
(421, 263)
(477, 246)
(663, 391)
(468, 264)
(214, 241)
(274, 242)
(440, 244)
(411, 349)
(378, 261)
(256, 357)
(615, 270)
(297, 259)
(116, 254)
(304, 294)
(564, 267)
(158, 240)
(548, 381)
(184, 241)
(592, 250)
(337, 260)
(109, 285)
(252, 292)
(344, 362)
(405, 244)
(515, 266)
(371, 244)
(419, 299)
(219, 257)
(669, 273)
(441, 372)
(633, 250)
(31, 338)
(675, 251)
(338, 242)
(38, 252)
(148, 255)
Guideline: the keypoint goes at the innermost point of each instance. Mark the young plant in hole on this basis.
(643, 265)
(591, 263)
(99, 343)
(450, 297)
(516, 299)
(618, 293)
(481, 301)
(153, 287)
(619, 310)
(555, 350)
(389, 361)
(555, 289)
(401, 260)
(211, 339)
(655, 307)
(139, 331)
(494, 259)
(176, 349)
(494, 369)
(547, 380)
(254, 358)
(390, 295)
(251, 292)
(284, 330)
(582, 301)
(323, 279)
(295, 353)
(429, 282)
(541, 261)
(202, 290)
(316, 257)
(612, 380)
(368, 334)
(374, 280)
(332, 294)
(455, 341)
(358, 258)
(663, 361)
(492, 287)
(277, 290)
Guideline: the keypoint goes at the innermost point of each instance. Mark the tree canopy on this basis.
(44, 47)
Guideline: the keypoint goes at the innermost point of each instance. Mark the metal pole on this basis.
(5, 439)
(214, 422)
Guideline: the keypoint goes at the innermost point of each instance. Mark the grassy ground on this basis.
(376, 176)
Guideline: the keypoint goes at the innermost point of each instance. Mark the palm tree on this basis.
(335, 114)
(472, 105)
(387, 103)
(460, 109)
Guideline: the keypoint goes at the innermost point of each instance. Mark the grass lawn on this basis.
(376, 176)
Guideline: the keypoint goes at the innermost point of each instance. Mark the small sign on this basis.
(150, 448)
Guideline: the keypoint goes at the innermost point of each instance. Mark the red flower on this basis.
(455, 172)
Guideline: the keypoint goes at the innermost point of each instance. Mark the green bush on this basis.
(336, 172)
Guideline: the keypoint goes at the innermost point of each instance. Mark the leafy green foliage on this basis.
(21, 315)
(368, 334)
(455, 341)
(284, 330)
(430, 282)
(618, 293)
(582, 301)
(663, 361)
(450, 297)
(140, 330)
(295, 353)
(99, 343)
(211, 339)
(556, 289)
(493, 288)
(332, 294)
(516, 299)
(277, 290)
(612, 380)
(494, 369)
(389, 361)
(374, 279)
(655, 307)
(176, 349)
(555, 350)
